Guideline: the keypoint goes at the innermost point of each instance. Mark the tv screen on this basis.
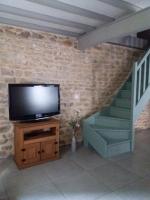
(33, 101)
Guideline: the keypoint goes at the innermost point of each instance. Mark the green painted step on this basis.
(112, 122)
(119, 112)
(113, 133)
(115, 141)
(128, 85)
(125, 94)
(116, 148)
(108, 148)
(124, 103)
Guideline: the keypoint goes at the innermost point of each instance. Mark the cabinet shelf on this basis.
(36, 136)
(39, 134)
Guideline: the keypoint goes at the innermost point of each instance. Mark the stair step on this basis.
(113, 134)
(124, 103)
(120, 112)
(112, 122)
(128, 85)
(111, 140)
(125, 94)
(109, 147)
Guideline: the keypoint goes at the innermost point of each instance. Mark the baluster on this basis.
(149, 69)
(144, 76)
(139, 84)
(134, 86)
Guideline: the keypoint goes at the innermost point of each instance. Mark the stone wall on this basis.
(88, 79)
(143, 121)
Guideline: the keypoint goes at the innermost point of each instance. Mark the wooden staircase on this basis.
(111, 131)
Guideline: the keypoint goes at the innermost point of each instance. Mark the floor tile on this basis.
(63, 169)
(39, 193)
(27, 179)
(8, 168)
(110, 196)
(113, 175)
(83, 187)
(140, 165)
(87, 158)
(139, 190)
(3, 195)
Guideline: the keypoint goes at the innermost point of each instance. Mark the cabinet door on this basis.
(48, 150)
(31, 153)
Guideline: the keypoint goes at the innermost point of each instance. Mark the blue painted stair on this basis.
(111, 132)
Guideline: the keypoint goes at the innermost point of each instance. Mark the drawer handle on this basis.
(56, 142)
(56, 152)
(23, 160)
(43, 151)
(23, 149)
(39, 152)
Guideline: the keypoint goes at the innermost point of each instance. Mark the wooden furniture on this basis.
(36, 142)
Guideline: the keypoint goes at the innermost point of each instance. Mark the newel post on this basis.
(133, 104)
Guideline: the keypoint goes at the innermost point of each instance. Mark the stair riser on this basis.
(107, 150)
(128, 86)
(117, 149)
(109, 134)
(113, 123)
(125, 94)
(120, 113)
(123, 104)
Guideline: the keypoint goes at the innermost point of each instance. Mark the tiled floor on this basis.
(82, 176)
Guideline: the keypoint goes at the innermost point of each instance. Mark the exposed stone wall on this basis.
(143, 121)
(88, 79)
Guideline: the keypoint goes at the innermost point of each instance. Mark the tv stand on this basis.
(36, 143)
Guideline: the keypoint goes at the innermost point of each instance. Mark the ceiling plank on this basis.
(33, 15)
(122, 4)
(37, 27)
(134, 23)
(37, 8)
(73, 9)
(38, 23)
(96, 6)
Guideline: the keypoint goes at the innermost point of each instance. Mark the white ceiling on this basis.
(68, 17)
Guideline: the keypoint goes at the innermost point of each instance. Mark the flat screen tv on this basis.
(33, 101)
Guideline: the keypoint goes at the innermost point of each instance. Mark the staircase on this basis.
(111, 131)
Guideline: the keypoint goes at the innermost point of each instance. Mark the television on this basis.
(29, 102)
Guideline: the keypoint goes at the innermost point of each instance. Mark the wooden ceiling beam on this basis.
(134, 23)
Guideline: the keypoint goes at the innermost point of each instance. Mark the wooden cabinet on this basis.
(36, 142)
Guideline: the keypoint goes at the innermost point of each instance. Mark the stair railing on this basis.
(140, 88)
